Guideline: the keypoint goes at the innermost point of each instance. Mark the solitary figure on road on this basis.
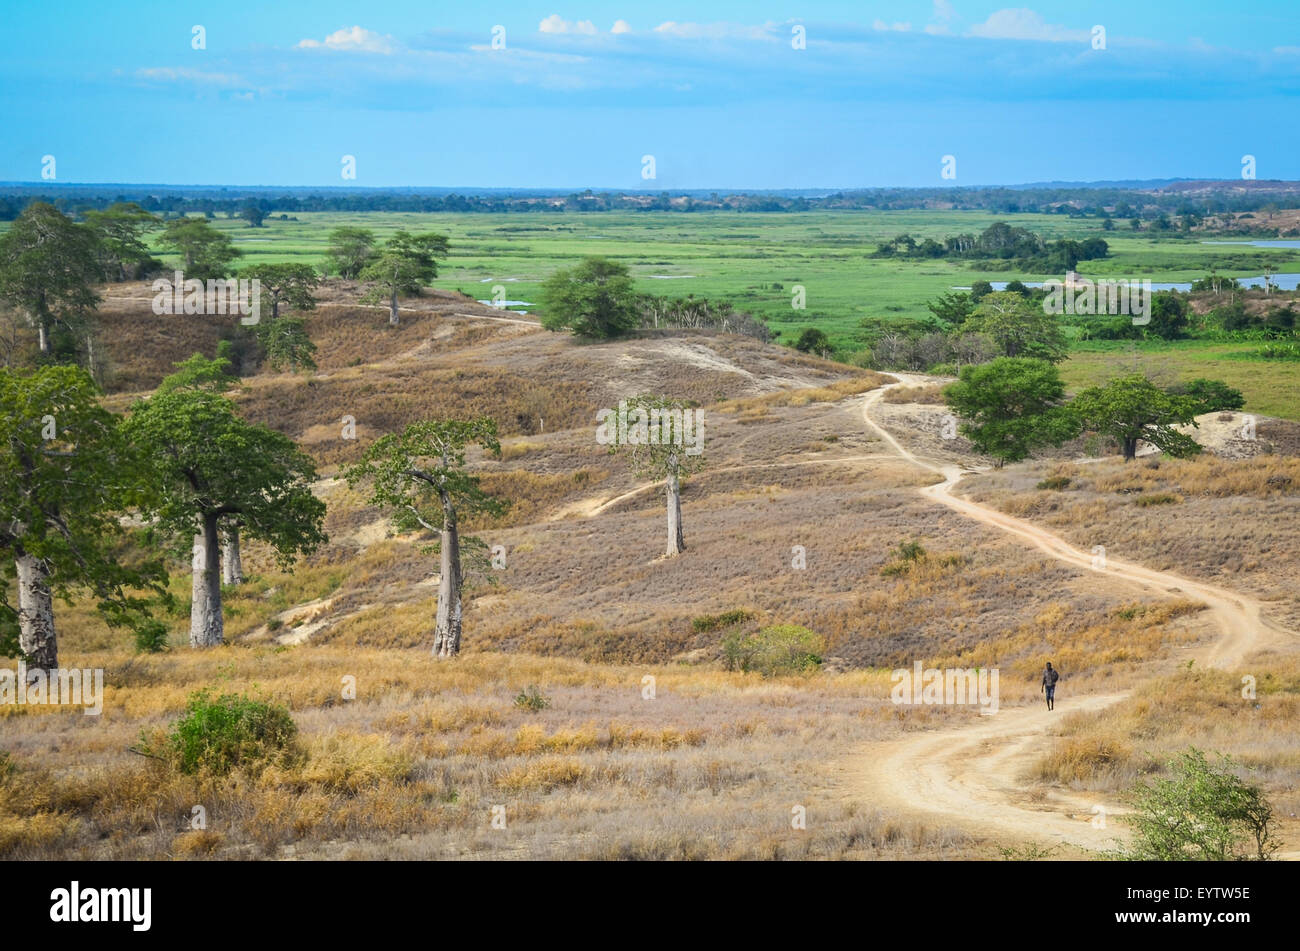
(1050, 677)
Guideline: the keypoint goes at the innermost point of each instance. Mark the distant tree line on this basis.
(1150, 204)
(1019, 247)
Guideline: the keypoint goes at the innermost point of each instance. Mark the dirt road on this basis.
(969, 776)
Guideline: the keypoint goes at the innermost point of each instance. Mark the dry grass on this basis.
(930, 394)
(1110, 750)
(415, 765)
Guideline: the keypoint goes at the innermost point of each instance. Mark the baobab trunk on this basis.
(206, 626)
(392, 309)
(1130, 449)
(232, 565)
(44, 338)
(36, 635)
(446, 634)
(676, 543)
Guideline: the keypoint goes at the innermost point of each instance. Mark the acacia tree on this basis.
(1132, 408)
(214, 467)
(350, 249)
(48, 268)
(419, 476)
(664, 439)
(206, 251)
(402, 266)
(120, 229)
(65, 474)
(1011, 406)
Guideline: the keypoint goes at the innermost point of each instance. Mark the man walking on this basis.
(1050, 677)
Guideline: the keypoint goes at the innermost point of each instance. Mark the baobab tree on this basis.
(419, 476)
(664, 439)
(49, 265)
(215, 469)
(66, 472)
(403, 265)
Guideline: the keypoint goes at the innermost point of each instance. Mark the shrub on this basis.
(1056, 483)
(151, 636)
(217, 735)
(1157, 498)
(530, 698)
(1204, 812)
(711, 622)
(781, 649)
(906, 555)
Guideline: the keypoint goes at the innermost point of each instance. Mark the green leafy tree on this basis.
(49, 265)
(284, 340)
(953, 309)
(66, 473)
(285, 285)
(1169, 312)
(286, 344)
(212, 466)
(402, 267)
(206, 252)
(350, 249)
(1011, 406)
(1018, 327)
(813, 340)
(596, 299)
(1211, 395)
(1203, 812)
(664, 439)
(1132, 408)
(419, 477)
(252, 213)
(121, 229)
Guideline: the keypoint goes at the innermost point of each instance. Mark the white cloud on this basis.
(183, 74)
(621, 26)
(1021, 23)
(712, 31)
(356, 38)
(557, 24)
(891, 27)
(943, 14)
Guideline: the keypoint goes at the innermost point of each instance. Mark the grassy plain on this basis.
(754, 261)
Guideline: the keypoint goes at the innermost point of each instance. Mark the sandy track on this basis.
(969, 776)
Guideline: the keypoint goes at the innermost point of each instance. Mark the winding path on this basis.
(969, 776)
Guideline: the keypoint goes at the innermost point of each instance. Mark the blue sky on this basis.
(715, 91)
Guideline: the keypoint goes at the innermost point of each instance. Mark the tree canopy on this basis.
(594, 299)
(1132, 408)
(1011, 406)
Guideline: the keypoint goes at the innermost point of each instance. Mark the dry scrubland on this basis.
(585, 610)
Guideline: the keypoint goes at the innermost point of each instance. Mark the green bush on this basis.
(1204, 812)
(711, 622)
(1056, 483)
(906, 555)
(781, 649)
(530, 698)
(1157, 498)
(150, 636)
(215, 735)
